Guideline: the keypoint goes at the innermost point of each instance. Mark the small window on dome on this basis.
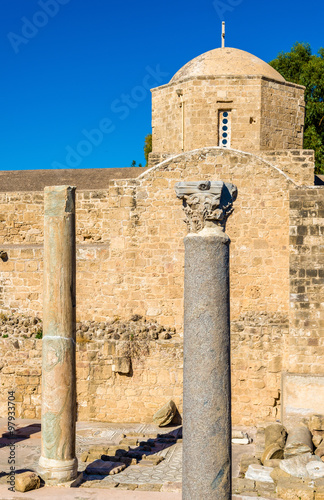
(224, 120)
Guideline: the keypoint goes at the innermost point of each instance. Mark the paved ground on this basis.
(165, 476)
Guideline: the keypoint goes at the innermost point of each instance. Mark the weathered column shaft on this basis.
(58, 462)
(206, 377)
(207, 368)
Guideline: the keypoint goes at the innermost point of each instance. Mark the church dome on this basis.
(226, 62)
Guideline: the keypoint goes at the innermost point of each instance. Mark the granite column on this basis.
(207, 382)
(58, 463)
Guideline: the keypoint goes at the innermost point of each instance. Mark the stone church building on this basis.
(226, 115)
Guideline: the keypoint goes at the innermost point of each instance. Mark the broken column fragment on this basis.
(299, 441)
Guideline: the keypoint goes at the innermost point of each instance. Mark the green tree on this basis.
(147, 147)
(302, 67)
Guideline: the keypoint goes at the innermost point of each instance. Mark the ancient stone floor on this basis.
(162, 481)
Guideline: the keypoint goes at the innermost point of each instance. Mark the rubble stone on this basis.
(275, 434)
(165, 415)
(296, 466)
(316, 422)
(315, 469)
(278, 473)
(294, 489)
(245, 461)
(273, 451)
(259, 473)
(102, 467)
(27, 481)
(299, 441)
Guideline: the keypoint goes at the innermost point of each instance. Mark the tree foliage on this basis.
(133, 164)
(147, 147)
(304, 68)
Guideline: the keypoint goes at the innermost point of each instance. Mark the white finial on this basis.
(223, 34)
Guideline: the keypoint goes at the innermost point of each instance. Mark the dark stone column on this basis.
(207, 369)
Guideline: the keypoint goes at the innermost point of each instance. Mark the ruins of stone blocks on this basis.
(130, 254)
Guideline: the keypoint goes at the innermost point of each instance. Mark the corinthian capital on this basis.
(206, 203)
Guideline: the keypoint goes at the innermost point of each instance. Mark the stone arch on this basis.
(216, 151)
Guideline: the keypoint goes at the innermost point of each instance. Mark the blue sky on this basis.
(76, 72)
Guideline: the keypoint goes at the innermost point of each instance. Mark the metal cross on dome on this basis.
(223, 34)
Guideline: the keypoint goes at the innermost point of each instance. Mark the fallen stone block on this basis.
(129, 441)
(259, 473)
(275, 434)
(316, 423)
(171, 486)
(150, 460)
(98, 449)
(104, 468)
(150, 487)
(84, 456)
(272, 451)
(294, 489)
(265, 488)
(245, 461)
(99, 484)
(315, 469)
(278, 474)
(296, 466)
(317, 440)
(241, 485)
(239, 437)
(27, 481)
(299, 441)
(319, 494)
(117, 450)
(127, 486)
(319, 483)
(274, 462)
(165, 415)
(124, 459)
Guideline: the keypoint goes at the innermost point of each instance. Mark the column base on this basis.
(57, 471)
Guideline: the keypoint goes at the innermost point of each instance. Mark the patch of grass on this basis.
(39, 334)
(5, 336)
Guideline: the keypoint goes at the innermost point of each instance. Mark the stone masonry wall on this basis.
(259, 342)
(306, 340)
(202, 100)
(102, 394)
(265, 115)
(130, 241)
(130, 261)
(282, 116)
(298, 164)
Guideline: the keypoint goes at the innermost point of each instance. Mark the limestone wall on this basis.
(203, 98)
(282, 116)
(130, 241)
(306, 344)
(265, 115)
(102, 394)
(130, 261)
(298, 164)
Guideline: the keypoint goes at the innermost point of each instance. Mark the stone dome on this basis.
(226, 62)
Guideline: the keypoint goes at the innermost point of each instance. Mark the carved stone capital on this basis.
(206, 203)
